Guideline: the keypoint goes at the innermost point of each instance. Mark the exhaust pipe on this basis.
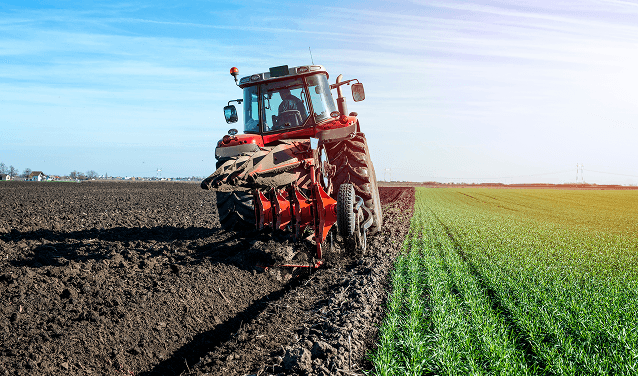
(341, 100)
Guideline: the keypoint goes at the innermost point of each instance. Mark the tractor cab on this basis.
(284, 99)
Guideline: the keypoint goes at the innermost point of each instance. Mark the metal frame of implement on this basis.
(289, 206)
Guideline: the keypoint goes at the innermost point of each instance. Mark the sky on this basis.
(456, 91)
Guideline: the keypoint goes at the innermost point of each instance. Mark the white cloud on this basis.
(509, 85)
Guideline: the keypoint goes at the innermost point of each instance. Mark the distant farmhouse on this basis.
(5, 177)
(36, 176)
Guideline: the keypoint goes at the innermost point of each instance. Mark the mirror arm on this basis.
(239, 101)
(333, 86)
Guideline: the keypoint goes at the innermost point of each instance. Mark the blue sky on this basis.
(474, 91)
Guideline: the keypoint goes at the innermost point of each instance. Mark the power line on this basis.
(611, 173)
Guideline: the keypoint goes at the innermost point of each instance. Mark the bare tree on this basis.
(77, 175)
(91, 174)
(3, 168)
(13, 172)
(26, 172)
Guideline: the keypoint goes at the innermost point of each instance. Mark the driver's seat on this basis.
(290, 118)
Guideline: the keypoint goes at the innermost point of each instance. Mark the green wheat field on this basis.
(515, 282)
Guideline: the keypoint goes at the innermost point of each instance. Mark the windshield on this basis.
(285, 105)
(321, 98)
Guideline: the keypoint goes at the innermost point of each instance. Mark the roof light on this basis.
(255, 77)
(302, 70)
(234, 72)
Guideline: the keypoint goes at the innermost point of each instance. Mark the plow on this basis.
(302, 164)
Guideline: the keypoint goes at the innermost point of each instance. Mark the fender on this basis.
(231, 146)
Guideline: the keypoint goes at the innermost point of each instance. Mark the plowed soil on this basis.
(138, 279)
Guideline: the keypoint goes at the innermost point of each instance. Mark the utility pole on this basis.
(579, 169)
(387, 172)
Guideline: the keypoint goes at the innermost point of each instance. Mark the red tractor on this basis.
(302, 163)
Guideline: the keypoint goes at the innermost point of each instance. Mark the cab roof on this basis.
(280, 72)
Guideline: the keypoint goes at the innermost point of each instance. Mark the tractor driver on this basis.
(290, 102)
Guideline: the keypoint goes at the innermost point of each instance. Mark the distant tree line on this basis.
(13, 172)
(81, 176)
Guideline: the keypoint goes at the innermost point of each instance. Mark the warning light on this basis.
(234, 72)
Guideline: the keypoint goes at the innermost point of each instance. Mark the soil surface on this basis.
(138, 279)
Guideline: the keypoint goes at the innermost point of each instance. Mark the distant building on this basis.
(36, 176)
(5, 177)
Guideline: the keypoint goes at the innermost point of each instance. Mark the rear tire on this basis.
(352, 162)
(236, 209)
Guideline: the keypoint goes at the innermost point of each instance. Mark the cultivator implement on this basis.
(290, 208)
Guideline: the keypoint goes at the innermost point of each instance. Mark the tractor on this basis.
(301, 165)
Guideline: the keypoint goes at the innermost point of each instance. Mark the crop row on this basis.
(515, 282)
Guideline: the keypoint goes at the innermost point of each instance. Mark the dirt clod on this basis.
(297, 360)
(322, 350)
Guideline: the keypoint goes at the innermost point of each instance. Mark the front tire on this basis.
(346, 217)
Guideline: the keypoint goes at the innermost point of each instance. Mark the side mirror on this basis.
(230, 113)
(357, 92)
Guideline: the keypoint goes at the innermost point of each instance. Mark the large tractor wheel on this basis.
(235, 208)
(353, 165)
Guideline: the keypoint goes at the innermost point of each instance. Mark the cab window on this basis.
(251, 110)
(322, 102)
(285, 105)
